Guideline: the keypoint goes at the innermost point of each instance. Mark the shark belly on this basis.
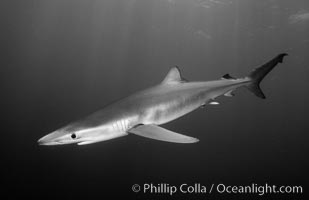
(172, 109)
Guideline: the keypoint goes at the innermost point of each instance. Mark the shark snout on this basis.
(44, 141)
(41, 141)
(48, 140)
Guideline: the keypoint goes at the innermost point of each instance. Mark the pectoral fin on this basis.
(159, 133)
(229, 94)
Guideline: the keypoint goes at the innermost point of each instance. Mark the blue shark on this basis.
(142, 112)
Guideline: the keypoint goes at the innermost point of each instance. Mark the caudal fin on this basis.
(258, 74)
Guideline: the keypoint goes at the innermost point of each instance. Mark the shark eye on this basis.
(73, 135)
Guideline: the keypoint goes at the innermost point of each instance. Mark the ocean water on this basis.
(62, 60)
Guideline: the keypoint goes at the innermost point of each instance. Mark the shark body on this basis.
(142, 112)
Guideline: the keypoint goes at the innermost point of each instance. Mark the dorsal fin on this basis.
(227, 76)
(174, 76)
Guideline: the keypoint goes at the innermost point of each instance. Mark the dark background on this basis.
(61, 60)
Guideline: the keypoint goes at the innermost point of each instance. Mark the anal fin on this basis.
(214, 103)
(159, 133)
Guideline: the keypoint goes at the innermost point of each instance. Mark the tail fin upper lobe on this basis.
(259, 73)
